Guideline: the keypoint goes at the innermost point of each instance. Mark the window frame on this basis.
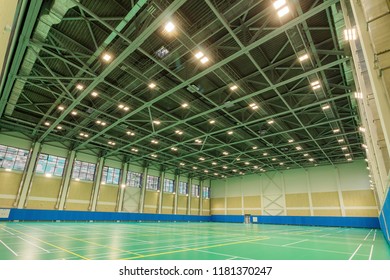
(16, 158)
(51, 164)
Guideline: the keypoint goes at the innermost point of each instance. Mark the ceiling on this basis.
(251, 108)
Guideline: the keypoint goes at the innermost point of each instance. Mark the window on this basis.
(13, 158)
(50, 165)
(183, 188)
(111, 175)
(152, 182)
(134, 179)
(206, 192)
(83, 170)
(195, 190)
(169, 185)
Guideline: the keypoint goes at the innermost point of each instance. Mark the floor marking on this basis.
(194, 249)
(374, 236)
(295, 243)
(325, 235)
(33, 244)
(372, 249)
(50, 244)
(354, 253)
(232, 257)
(93, 243)
(8, 231)
(9, 248)
(368, 234)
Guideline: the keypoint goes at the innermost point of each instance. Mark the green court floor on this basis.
(187, 241)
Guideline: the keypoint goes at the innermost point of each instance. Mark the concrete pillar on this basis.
(370, 34)
(25, 185)
(66, 180)
(201, 197)
(143, 189)
(160, 194)
(96, 184)
(189, 196)
(122, 186)
(176, 191)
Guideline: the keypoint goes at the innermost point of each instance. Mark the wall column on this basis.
(96, 185)
(176, 191)
(122, 186)
(160, 194)
(189, 195)
(309, 192)
(375, 53)
(201, 197)
(143, 189)
(66, 180)
(340, 193)
(25, 184)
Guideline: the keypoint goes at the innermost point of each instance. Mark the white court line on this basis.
(368, 234)
(295, 243)
(8, 231)
(326, 235)
(9, 248)
(374, 236)
(372, 249)
(33, 244)
(354, 253)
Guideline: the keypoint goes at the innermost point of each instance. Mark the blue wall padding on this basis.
(227, 218)
(360, 222)
(384, 218)
(53, 215)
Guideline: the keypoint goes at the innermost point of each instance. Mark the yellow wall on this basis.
(359, 198)
(297, 200)
(325, 199)
(168, 203)
(79, 195)
(9, 182)
(151, 202)
(107, 198)
(44, 192)
(303, 212)
(194, 206)
(182, 204)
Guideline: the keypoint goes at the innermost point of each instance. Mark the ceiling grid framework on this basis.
(115, 72)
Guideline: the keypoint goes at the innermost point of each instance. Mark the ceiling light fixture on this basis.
(303, 57)
(199, 55)
(233, 87)
(152, 85)
(79, 86)
(107, 57)
(204, 60)
(358, 95)
(169, 27)
(94, 94)
(350, 34)
(283, 11)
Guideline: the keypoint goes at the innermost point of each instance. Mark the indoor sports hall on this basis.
(194, 130)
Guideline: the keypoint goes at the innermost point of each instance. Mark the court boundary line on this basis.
(48, 243)
(9, 248)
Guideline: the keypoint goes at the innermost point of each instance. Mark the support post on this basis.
(66, 179)
(25, 185)
(96, 184)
